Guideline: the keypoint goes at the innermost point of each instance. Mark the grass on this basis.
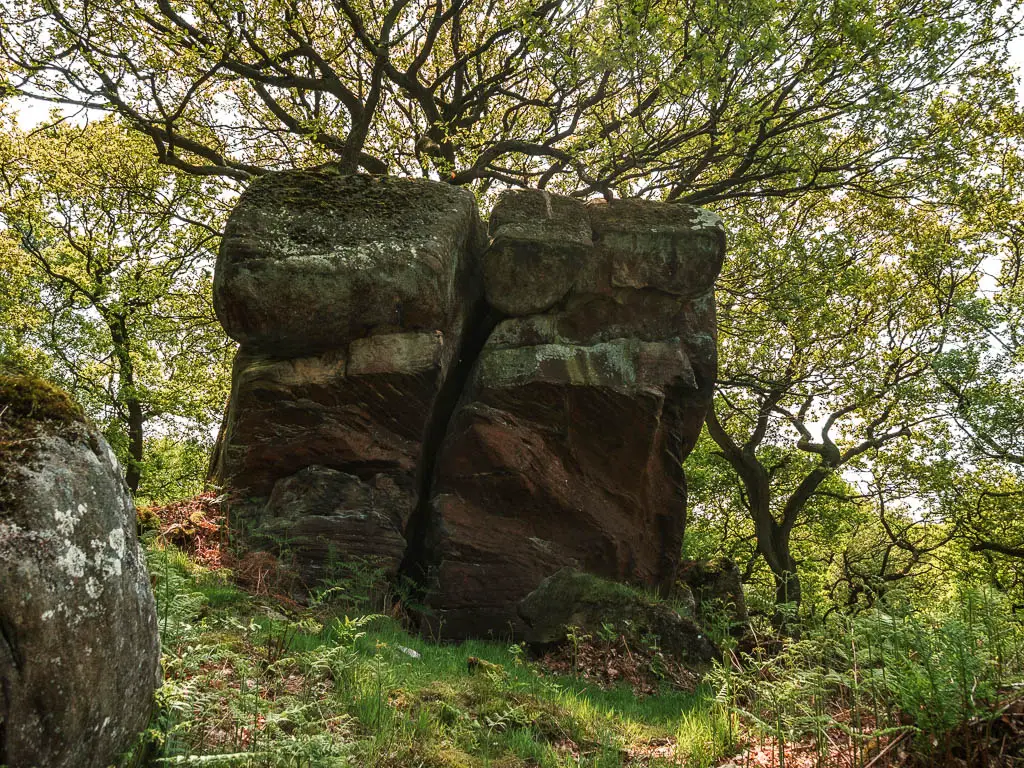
(253, 681)
(258, 681)
(934, 680)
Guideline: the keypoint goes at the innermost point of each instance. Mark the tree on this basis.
(949, 309)
(120, 249)
(830, 312)
(21, 317)
(981, 367)
(904, 533)
(720, 524)
(698, 102)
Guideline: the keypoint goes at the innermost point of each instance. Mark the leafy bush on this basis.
(888, 672)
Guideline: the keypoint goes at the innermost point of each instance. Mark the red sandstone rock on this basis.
(567, 448)
(349, 295)
(481, 456)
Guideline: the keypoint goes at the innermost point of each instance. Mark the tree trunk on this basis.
(128, 398)
(787, 582)
(133, 472)
(773, 543)
(772, 536)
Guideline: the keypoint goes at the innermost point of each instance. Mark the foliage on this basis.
(694, 101)
(175, 466)
(255, 681)
(856, 685)
(118, 252)
(840, 287)
(981, 368)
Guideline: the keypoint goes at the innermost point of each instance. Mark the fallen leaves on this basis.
(195, 526)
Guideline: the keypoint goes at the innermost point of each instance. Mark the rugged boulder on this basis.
(571, 600)
(79, 654)
(350, 296)
(474, 411)
(311, 260)
(717, 591)
(567, 446)
(537, 244)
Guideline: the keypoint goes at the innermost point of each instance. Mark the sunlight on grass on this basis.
(247, 684)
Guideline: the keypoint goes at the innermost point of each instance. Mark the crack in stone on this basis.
(420, 557)
(587, 325)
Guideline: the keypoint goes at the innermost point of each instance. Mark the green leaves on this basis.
(106, 258)
(701, 102)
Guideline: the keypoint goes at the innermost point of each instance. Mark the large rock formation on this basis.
(349, 296)
(477, 411)
(567, 447)
(79, 654)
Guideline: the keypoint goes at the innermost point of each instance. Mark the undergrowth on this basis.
(254, 681)
(931, 682)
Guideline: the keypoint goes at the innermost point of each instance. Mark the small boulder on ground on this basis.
(79, 652)
(571, 599)
(717, 591)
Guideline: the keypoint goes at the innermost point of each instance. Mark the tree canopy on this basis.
(700, 102)
(108, 258)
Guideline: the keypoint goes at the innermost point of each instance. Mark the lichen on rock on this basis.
(79, 650)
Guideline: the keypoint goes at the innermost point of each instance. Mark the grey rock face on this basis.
(311, 260)
(79, 653)
(676, 249)
(529, 408)
(538, 242)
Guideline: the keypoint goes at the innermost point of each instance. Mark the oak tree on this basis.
(113, 254)
(695, 101)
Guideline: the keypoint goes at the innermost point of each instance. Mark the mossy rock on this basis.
(79, 652)
(25, 399)
(716, 587)
(312, 260)
(147, 519)
(30, 407)
(571, 599)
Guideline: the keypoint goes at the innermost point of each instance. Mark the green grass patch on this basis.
(251, 682)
